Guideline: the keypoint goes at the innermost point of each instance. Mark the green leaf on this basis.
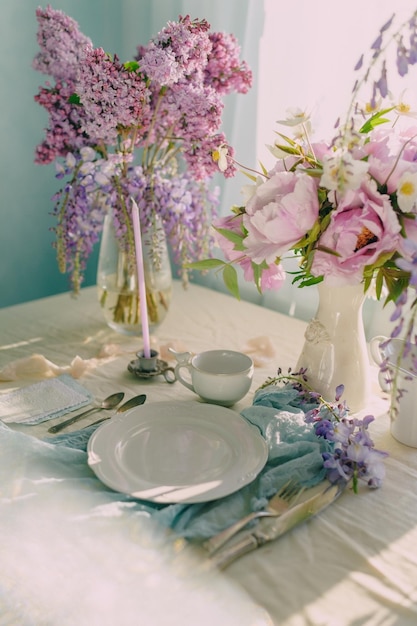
(238, 210)
(231, 235)
(74, 99)
(290, 141)
(310, 237)
(131, 66)
(375, 120)
(367, 282)
(312, 280)
(379, 283)
(257, 275)
(314, 172)
(206, 264)
(328, 250)
(230, 280)
(252, 177)
(264, 170)
(288, 149)
(371, 124)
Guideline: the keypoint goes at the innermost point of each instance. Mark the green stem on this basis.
(307, 136)
(59, 230)
(300, 381)
(151, 127)
(127, 220)
(398, 158)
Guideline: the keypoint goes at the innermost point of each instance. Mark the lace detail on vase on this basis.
(316, 332)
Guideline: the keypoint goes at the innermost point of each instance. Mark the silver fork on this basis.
(279, 503)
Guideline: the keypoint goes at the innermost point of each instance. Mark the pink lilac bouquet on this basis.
(144, 129)
(346, 208)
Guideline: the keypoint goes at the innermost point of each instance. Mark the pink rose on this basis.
(279, 214)
(363, 226)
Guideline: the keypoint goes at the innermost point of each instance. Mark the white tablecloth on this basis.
(60, 564)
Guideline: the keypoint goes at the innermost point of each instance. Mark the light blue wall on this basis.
(28, 268)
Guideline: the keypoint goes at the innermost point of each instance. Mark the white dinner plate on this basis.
(177, 452)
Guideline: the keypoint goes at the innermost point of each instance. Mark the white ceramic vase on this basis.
(335, 350)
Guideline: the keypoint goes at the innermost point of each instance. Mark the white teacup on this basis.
(217, 376)
(404, 407)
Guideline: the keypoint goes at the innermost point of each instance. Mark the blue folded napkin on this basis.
(294, 452)
(44, 400)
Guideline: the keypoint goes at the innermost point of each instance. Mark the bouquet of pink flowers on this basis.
(144, 129)
(346, 208)
(346, 213)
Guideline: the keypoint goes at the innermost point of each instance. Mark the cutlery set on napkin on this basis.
(270, 528)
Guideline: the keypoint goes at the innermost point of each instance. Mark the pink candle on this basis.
(141, 280)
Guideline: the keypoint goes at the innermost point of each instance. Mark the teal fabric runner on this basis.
(294, 452)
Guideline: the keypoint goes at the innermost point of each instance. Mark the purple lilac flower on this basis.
(61, 44)
(199, 160)
(167, 103)
(178, 51)
(160, 65)
(224, 70)
(112, 97)
(64, 132)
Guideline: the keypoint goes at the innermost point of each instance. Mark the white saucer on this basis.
(171, 452)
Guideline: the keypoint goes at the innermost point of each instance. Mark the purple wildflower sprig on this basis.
(353, 457)
(80, 206)
(183, 207)
(404, 318)
(406, 56)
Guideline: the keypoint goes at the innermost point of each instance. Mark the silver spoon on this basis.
(135, 401)
(108, 403)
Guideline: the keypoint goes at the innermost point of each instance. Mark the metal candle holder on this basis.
(149, 367)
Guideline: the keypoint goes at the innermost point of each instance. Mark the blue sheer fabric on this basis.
(294, 453)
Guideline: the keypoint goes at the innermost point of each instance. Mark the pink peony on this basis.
(281, 212)
(390, 154)
(363, 227)
(272, 278)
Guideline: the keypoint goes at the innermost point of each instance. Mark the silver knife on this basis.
(269, 530)
(135, 401)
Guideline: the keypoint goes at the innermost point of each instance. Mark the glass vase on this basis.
(118, 284)
(335, 350)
